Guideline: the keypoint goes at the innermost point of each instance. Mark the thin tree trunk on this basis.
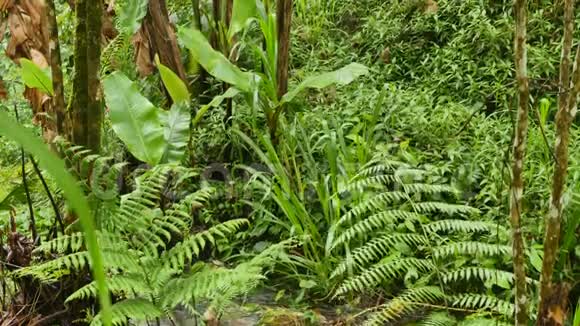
(58, 104)
(80, 97)
(217, 13)
(94, 110)
(86, 115)
(567, 107)
(517, 185)
(161, 36)
(283, 23)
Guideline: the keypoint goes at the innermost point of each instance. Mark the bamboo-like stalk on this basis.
(519, 148)
(567, 108)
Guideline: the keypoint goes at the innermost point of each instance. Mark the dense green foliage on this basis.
(379, 182)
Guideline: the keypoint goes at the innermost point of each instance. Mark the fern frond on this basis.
(383, 272)
(135, 309)
(374, 222)
(483, 274)
(190, 247)
(471, 248)
(450, 209)
(438, 318)
(133, 284)
(371, 182)
(484, 303)
(405, 304)
(454, 225)
(425, 188)
(380, 201)
(378, 248)
(62, 244)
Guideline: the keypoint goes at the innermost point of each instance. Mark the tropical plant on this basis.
(259, 87)
(429, 254)
(152, 255)
(151, 134)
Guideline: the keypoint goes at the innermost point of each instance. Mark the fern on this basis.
(135, 308)
(471, 248)
(484, 303)
(454, 225)
(149, 250)
(405, 304)
(402, 205)
(374, 222)
(382, 272)
(377, 248)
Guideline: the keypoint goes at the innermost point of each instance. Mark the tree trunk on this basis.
(519, 148)
(567, 107)
(283, 23)
(86, 113)
(58, 104)
(162, 37)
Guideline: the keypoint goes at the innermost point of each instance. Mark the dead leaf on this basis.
(3, 91)
(430, 7)
(38, 58)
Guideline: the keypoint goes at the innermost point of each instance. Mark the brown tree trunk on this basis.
(162, 37)
(283, 23)
(519, 148)
(567, 107)
(86, 113)
(58, 104)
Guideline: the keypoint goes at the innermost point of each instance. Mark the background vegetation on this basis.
(373, 188)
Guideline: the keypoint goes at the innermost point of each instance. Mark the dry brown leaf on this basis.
(5, 5)
(3, 91)
(142, 54)
(38, 58)
(431, 7)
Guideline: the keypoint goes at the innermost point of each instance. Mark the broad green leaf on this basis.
(175, 86)
(74, 195)
(342, 76)
(307, 284)
(214, 62)
(175, 132)
(135, 120)
(231, 92)
(35, 77)
(131, 14)
(242, 11)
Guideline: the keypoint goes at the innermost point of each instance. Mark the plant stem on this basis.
(519, 147)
